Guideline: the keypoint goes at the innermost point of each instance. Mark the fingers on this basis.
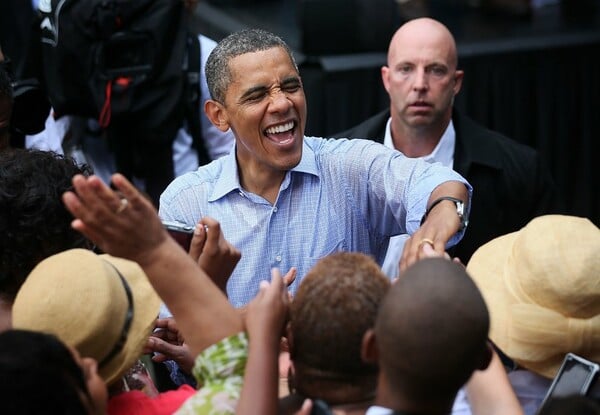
(180, 354)
(198, 241)
(418, 247)
(427, 251)
(306, 408)
(290, 276)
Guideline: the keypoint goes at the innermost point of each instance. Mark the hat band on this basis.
(126, 325)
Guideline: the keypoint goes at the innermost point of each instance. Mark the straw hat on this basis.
(542, 288)
(101, 305)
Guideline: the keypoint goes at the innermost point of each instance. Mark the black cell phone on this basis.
(574, 377)
(181, 232)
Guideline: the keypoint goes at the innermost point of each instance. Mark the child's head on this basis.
(336, 303)
(431, 332)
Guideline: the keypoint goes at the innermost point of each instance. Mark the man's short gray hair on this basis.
(218, 73)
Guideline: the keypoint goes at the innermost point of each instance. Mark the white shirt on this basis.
(443, 153)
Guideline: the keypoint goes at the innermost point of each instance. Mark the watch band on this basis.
(460, 210)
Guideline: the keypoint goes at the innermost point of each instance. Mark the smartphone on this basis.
(574, 377)
(181, 232)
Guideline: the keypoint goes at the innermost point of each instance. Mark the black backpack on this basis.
(132, 65)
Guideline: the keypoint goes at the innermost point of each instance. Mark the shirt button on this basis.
(275, 209)
(278, 258)
(242, 194)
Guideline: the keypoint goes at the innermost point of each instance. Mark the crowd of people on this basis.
(433, 274)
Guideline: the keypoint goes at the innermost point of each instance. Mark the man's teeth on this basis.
(280, 128)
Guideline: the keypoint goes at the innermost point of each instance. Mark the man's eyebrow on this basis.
(291, 79)
(253, 90)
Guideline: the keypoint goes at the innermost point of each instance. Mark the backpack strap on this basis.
(192, 100)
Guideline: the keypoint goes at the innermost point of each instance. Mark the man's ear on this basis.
(385, 77)
(217, 114)
(458, 78)
(368, 348)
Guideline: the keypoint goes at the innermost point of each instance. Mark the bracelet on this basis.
(460, 210)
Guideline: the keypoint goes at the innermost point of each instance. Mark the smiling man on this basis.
(286, 200)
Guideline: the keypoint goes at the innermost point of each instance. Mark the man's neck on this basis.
(358, 390)
(402, 403)
(261, 182)
(416, 141)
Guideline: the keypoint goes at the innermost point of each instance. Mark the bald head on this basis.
(422, 80)
(427, 35)
(432, 329)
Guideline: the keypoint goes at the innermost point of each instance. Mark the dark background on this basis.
(531, 74)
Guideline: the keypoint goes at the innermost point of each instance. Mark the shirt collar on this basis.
(443, 151)
(229, 180)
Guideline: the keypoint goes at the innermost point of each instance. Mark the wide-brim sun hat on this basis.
(542, 288)
(101, 305)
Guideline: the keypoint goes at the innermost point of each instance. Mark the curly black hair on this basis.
(34, 223)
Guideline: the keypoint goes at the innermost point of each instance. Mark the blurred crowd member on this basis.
(335, 305)
(39, 374)
(541, 287)
(34, 223)
(426, 343)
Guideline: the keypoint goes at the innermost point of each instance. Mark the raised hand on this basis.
(213, 253)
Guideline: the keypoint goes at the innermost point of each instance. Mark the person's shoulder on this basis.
(336, 146)
(481, 139)
(202, 178)
(373, 128)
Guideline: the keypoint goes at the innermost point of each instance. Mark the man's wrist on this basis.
(461, 210)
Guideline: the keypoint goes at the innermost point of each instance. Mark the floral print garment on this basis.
(219, 371)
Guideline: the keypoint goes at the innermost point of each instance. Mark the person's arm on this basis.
(490, 393)
(134, 231)
(265, 319)
(442, 222)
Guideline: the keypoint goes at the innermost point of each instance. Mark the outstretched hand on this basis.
(122, 223)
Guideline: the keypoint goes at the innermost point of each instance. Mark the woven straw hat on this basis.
(542, 288)
(101, 305)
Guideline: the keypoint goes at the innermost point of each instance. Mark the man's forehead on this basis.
(433, 53)
(256, 66)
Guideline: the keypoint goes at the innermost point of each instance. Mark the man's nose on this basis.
(280, 102)
(421, 82)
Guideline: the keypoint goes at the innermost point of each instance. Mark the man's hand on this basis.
(441, 223)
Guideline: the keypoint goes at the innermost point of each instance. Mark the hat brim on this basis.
(487, 268)
(146, 304)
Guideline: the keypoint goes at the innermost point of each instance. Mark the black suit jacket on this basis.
(510, 183)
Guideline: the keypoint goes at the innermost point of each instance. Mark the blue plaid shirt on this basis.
(344, 195)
